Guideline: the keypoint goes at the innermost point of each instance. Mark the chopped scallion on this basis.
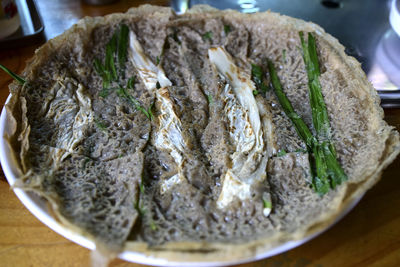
(267, 204)
(208, 36)
(227, 29)
(100, 124)
(281, 153)
(13, 75)
(122, 46)
(209, 99)
(258, 78)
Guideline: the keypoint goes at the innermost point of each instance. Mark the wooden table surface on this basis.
(368, 236)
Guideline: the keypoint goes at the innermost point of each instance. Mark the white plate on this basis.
(38, 207)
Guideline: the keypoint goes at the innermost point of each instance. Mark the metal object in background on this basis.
(99, 2)
(180, 6)
(361, 26)
(9, 18)
(31, 28)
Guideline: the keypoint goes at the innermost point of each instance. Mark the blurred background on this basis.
(370, 31)
(363, 27)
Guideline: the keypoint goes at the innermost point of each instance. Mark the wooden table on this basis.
(368, 235)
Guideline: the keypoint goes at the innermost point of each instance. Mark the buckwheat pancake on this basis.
(141, 138)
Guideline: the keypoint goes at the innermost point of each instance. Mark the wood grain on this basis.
(368, 236)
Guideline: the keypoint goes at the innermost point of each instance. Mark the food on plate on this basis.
(189, 137)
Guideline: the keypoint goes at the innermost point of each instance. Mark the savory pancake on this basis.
(149, 131)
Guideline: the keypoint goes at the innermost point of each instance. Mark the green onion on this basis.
(318, 108)
(208, 36)
(13, 75)
(301, 128)
(150, 112)
(326, 170)
(319, 111)
(258, 78)
(104, 92)
(141, 187)
(140, 209)
(317, 160)
(300, 150)
(335, 170)
(100, 124)
(122, 46)
(319, 169)
(118, 43)
(267, 204)
(101, 70)
(153, 226)
(281, 153)
(111, 48)
(117, 47)
(124, 94)
(130, 83)
(209, 99)
(99, 67)
(227, 29)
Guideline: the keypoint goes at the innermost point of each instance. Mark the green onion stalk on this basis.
(325, 168)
